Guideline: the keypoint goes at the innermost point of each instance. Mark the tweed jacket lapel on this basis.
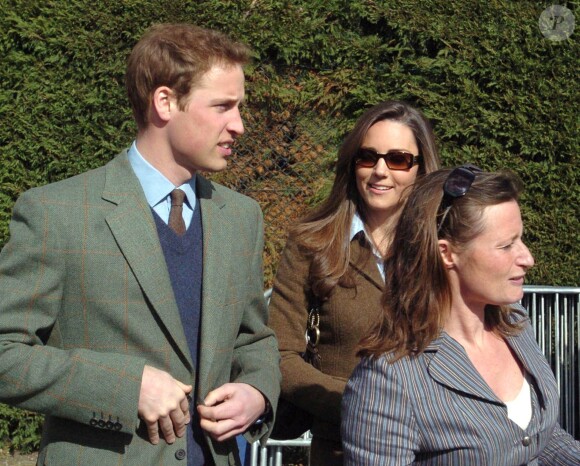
(133, 227)
(215, 265)
(371, 273)
(450, 366)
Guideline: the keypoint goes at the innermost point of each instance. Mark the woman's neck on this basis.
(467, 329)
(466, 321)
(380, 231)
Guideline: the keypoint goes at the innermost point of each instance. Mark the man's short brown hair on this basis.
(176, 56)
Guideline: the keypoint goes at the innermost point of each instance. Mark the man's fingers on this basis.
(153, 431)
(163, 405)
(186, 388)
(175, 424)
(184, 405)
(166, 425)
(211, 413)
(234, 406)
(220, 430)
(204, 411)
(219, 395)
(178, 421)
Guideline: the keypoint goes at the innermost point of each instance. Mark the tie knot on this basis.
(176, 222)
(177, 197)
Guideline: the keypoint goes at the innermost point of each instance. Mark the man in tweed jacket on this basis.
(129, 365)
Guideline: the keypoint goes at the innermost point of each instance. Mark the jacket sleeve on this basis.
(72, 383)
(302, 384)
(256, 358)
(378, 426)
(562, 449)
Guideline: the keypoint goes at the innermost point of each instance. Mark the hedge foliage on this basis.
(499, 93)
(19, 429)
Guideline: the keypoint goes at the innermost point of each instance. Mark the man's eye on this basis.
(225, 106)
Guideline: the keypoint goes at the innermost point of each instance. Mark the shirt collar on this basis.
(155, 185)
(356, 226)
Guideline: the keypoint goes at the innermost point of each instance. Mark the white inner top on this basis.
(519, 410)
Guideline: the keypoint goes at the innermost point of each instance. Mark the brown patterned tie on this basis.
(176, 222)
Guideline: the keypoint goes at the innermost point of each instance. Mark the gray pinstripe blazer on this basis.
(436, 409)
(86, 302)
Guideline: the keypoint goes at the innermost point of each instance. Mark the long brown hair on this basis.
(417, 296)
(324, 233)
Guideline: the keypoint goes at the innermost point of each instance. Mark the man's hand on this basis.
(230, 409)
(163, 405)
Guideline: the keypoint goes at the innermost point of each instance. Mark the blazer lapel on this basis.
(372, 274)
(450, 366)
(527, 351)
(215, 264)
(133, 227)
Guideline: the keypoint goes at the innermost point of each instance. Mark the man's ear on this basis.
(163, 103)
(446, 253)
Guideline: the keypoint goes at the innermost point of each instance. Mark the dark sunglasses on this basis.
(395, 159)
(456, 185)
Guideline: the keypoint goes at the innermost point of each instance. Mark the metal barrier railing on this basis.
(555, 315)
(271, 454)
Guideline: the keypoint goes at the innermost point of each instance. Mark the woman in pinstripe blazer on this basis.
(452, 375)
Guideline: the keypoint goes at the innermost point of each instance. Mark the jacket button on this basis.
(180, 454)
(526, 441)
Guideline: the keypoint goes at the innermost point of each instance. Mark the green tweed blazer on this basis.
(86, 302)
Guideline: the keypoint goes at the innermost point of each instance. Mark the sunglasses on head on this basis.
(456, 185)
(395, 159)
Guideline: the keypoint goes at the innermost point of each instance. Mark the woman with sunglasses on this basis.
(452, 373)
(333, 260)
